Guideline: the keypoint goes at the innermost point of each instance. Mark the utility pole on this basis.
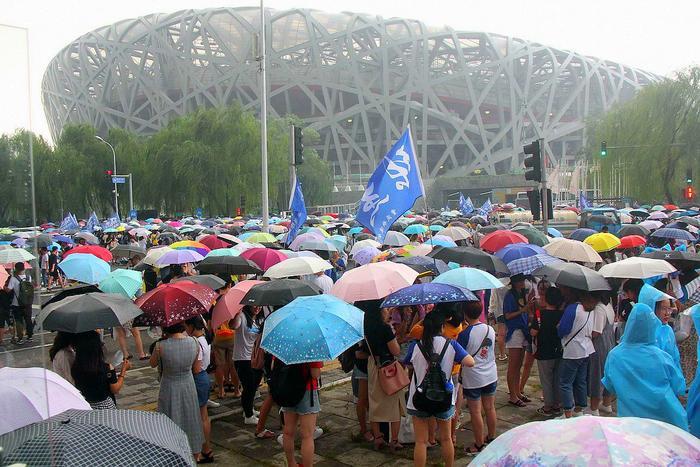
(114, 157)
(544, 197)
(263, 122)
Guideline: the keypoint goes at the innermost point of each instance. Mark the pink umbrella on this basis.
(3, 276)
(264, 257)
(299, 239)
(658, 215)
(421, 250)
(176, 224)
(373, 281)
(651, 225)
(230, 304)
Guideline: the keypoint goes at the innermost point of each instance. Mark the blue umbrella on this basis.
(436, 227)
(552, 232)
(415, 229)
(530, 263)
(311, 329)
(677, 234)
(86, 268)
(340, 241)
(469, 278)
(518, 250)
(581, 234)
(355, 230)
(245, 235)
(423, 294)
(441, 242)
(125, 282)
(62, 238)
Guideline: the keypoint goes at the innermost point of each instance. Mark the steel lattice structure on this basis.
(472, 98)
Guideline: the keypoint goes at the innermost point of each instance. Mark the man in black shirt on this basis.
(549, 351)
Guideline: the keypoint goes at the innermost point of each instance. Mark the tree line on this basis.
(208, 159)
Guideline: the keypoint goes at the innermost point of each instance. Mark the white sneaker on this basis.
(256, 412)
(280, 440)
(318, 432)
(605, 408)
(595, 413)
(212, 404)
(578, 414)
(250, 420)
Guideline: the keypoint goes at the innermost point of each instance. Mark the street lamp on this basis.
(114, 174)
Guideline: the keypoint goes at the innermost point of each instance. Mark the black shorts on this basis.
(4, 317)
(54, 274)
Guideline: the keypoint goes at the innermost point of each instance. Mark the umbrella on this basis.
(213, 242)
(181, 256)
(552, 232)
(128, 251)
(62, 239)
(124, 282)
(224, 252)
(175, 302)
(88, 237)
(573, 275)
(517, 251)
(680, 259)
(373, 281)
(102, 253)
(470, 256)
(365, 255)
(657, 216)
(631, 241)
(533, 236)
(676, 234)
(633, 229)
(651, 224)
(607, 441)
(154, 255)
(232, 239)
(279, 292)
(84, 268)
(299, 239)
(208, 280)
(603, 241)
(639, 213)
(312, 329)
(229, 305)
(300, 266)
(637, 268)
(191, 245)
(455, 233)
(87, 312)
(15, 255)
(416, 229)
(469, 278)
(581, 234)
(694, 221)
(30, 395)
(500, 238)
(431, 292)
(260, 237)
(263, 257)
(99, 437)
(394, 238)
(423, 264)
(364, 244)
(319, 246)
(41, 241)
(227, 265)
(442, 241)
(573, 250)
(529, 263)
(69, 291)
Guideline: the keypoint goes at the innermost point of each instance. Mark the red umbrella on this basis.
(264, 257)
(175, 302)
(285, 223)
(670, 207)
(332, 214)
(214, 242)
(102, 253)
(631, 241)
(230, 304)
(500, 238)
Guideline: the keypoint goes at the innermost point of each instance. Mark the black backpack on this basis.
(347, 359)
(287, 383)
(26, 292)
(432, 395)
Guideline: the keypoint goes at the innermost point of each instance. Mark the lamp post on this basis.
(114, 173)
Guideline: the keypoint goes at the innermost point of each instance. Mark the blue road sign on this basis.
(198, 212)
(118, 179)
(132, 214)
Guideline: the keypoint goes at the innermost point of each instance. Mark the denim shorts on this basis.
(203, 385)
(446, 415)
(477, 393)
(358, 374)
(304, 406)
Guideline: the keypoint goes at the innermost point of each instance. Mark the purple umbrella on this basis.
(179, 257)
(299, 239)
(364, 255)
(62, 238)
(519, 250)
(431, 292)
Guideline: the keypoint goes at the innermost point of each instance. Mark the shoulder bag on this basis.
(392, 376)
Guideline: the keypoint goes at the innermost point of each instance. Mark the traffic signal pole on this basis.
(543, 190)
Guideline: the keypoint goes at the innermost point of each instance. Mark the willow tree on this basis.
(654, 137)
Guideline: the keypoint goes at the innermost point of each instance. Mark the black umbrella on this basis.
(363, 236)
(487, 229)
(633, 229)
(88, 312)
(694, 221)
(210, 280)
(279, 292)
(573, 275)
(70, 291)
(128, 251)
(41, 241)
(227, 265)
(423, 264)
(99, 437)
(679, 259)
(470, 256)
(141, 267)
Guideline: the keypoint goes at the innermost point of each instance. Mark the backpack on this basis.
(347, 360)
(287, 383)
(26, 293)
(432, 395)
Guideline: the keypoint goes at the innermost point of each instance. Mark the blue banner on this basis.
(298, 208)
(582, 201)
(465, 205)
(133, 214)
(112, 222)
(92, 222)
(69, 223)
(392, 189)
(486, 208)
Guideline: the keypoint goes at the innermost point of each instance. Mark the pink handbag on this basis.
(392, 376)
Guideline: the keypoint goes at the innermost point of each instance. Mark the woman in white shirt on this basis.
(195, 328)
(248, 325)
(603, 337)
(433, 341)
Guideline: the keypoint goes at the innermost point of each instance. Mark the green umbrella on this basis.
(125, 282)
(534, 237)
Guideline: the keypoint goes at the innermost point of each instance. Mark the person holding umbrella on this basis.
(516, 307)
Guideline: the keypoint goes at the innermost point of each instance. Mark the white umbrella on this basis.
(300, 266)
(230, 238)
(23, 397)
(637, 268)
(364, 244)
(88, 237)
(154, 254)
(572, 250)
(651, 224)
(455, 233)
(394, 238)
(15, 255)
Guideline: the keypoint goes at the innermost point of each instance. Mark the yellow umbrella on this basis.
(602, 241)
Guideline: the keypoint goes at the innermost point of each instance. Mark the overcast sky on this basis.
(660, 37)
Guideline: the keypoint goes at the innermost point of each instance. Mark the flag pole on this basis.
(263, 123)
(420, 175)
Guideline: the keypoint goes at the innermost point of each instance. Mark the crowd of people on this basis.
(628, 348)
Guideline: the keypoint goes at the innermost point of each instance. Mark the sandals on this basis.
(545, 412)
(488, 439)
(473, 450)
(265, 434)
(379, 442)
(519, 403)
(502, 358)
(395, 446)
(145, 357)
(207, 458)
(524, 398)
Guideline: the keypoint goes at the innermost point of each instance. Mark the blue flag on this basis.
(92, 222)
(69, 223)
(392, 189)
(298, 208)
(465, 205)
(112, 221)
(582, 201)
(486, 208)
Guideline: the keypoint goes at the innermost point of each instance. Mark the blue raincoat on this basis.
(693, 406)
(644, 378)
(665, 338)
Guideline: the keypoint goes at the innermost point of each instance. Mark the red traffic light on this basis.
(108, 172)
(689, 193)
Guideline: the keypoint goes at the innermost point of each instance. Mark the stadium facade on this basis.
(472, 99)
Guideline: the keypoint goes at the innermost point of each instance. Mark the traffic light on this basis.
(689, 176)
(603, 148)
(534, 161)
(238, 212)
(298, 146)
(533, 196)
(242, 204)
(108, 173)
(689, 193)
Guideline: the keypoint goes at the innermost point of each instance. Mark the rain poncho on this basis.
(665, 338)
(694, 393)
(644, 378)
